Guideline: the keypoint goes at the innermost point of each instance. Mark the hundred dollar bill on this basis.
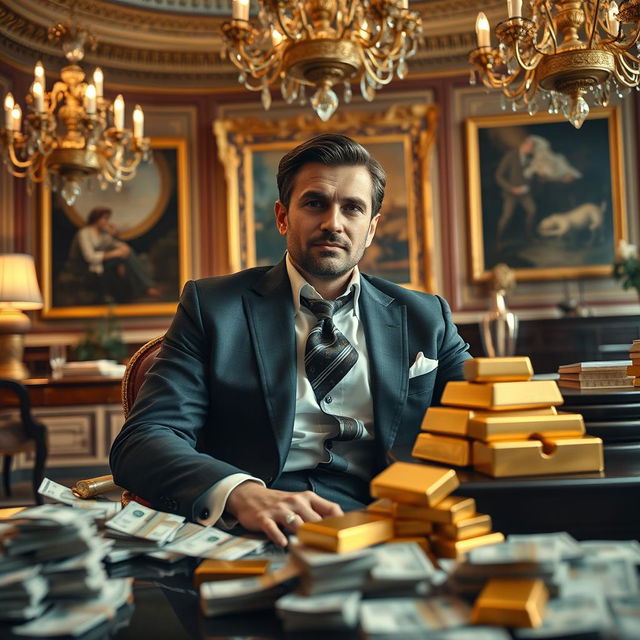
(568, 547)
(536, 552)
(472, 633)
(402, 561)
(627, 548)
(142, 522)
(60, 493)
(329, 611)
(615, 575)
(626, 611)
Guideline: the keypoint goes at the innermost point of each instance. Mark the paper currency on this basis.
(337, 610)
(626, 612)
(60, 493)
(143, 522)
(567, 546)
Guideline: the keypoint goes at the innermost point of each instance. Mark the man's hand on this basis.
(260, 509)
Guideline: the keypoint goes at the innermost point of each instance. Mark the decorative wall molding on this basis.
(177, 43)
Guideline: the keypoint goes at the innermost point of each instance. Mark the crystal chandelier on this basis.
(72, 132)
(567, 54)
(321, 43)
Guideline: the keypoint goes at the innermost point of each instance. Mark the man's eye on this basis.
(353, 208)
(314, 204)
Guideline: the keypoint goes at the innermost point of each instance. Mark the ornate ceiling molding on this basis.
(177, 43)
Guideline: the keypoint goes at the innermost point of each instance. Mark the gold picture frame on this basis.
(569, 212)
(151, 214)
(401, 138)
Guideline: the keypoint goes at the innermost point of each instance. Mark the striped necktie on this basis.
(329, 356)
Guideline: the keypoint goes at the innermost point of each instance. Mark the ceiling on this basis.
(177, 43)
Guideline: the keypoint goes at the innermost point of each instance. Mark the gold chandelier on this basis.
(72, 132)
(562, 57)
(321, 43)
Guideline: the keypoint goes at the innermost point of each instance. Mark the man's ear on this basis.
(281, 217)
(373, 225)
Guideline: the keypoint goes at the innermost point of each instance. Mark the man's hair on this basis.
(96, 213)
(332, 150)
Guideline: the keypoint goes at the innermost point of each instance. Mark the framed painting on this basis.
(544, 198)
(399, 138)
(126, 250)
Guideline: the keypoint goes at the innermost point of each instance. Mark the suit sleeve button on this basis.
(204, 514)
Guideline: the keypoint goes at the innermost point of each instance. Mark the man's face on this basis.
(328, 224)
(103, 222)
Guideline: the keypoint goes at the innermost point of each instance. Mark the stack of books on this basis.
(506, 424)
(604, 374)
(92, 368)
(634, 368)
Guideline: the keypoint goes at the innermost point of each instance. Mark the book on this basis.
(502, 395)
(498, 369)
(596, 384)
(418, 484)
(445, 449)
(588, 376)
(597, 365)
(454, 420)
(494, 427)
(538, 457)
(511, 602)
(451, 509)
(349, 532)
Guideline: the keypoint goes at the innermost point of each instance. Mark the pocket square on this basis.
(422, 365)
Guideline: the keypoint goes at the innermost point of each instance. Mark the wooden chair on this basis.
(134, 375)
(24, 435)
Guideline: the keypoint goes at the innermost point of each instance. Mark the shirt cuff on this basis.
(215, 500)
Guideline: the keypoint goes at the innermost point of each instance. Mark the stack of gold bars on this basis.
(634, 369)
(506, 424)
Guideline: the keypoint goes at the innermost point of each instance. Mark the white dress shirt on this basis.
(312, 426)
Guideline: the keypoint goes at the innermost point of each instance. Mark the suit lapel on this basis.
(385, 327)
(269, 312)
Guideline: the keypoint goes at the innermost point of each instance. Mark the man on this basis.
(279, 390)
(515, 181)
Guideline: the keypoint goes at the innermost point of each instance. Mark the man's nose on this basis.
(332, 220)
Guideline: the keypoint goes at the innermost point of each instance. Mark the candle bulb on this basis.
(118, 112)
(8, 112)
(404, 4)
(276, 37)
(16, 117)
(612, 18)
(482, 30)
(38, 96)
(90, 99)
(138, 122)
(240, 10)
(514, 8)
(38, 73)
(98, 80)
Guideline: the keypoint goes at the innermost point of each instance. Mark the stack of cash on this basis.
(325, 572)
(51, 559)
(332, 611)
(599, 374)
(100, 508)
(417, 497)
(506, 424)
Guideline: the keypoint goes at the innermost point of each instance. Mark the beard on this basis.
(331, 263)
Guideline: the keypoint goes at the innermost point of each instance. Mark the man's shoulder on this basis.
(232, 283)
(402, 294)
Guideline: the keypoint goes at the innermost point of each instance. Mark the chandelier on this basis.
(566, 55)
(72, 132)
(320, 44)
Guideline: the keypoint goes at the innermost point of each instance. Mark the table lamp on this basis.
(19, 292)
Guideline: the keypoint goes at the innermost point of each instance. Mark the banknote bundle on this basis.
(506, 424)
(417, 498)
(600, 374)
(338, 610)
(100, 508)
(51, 570)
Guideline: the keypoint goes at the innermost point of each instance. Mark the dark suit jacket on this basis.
(220, 398)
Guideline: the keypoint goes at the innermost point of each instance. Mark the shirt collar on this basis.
(300, 287)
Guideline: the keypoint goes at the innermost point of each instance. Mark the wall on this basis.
(191, 115)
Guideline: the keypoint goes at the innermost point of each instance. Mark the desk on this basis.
(82, 415)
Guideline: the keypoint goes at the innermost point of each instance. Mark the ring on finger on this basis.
(290, 517)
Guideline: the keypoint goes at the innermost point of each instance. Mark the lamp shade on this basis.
(18, 283)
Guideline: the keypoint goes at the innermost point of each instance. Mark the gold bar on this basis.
(498, 396)
(351, 531)
(513, 369)
(423, 542)
(404, 528)
(445, 449)
(511, 602)
(211, 570)
(477, 525)
(417, 484)
(536, 457)
(93, 486)
(633, 370)
(8, 512)
(496, 427)
(454, 421)
(451, 509)
(384, 506)
(457, 548)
